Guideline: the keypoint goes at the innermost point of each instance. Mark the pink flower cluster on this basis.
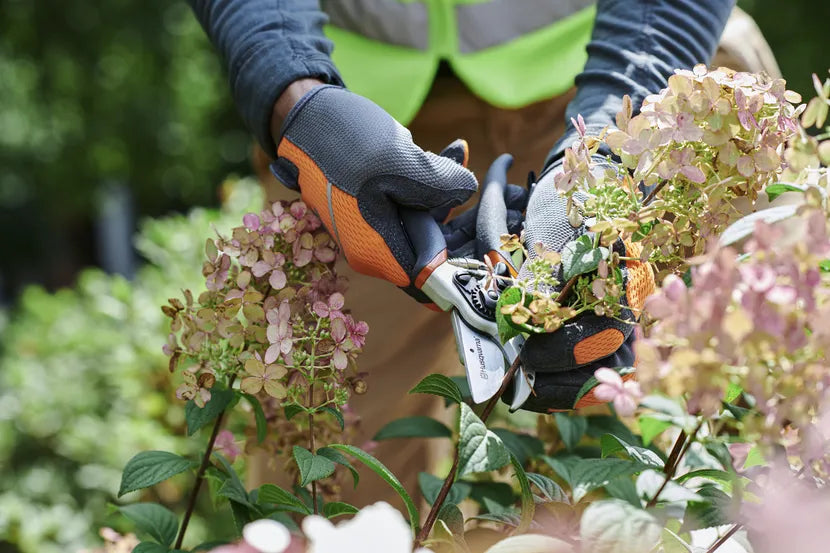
(761, 321)
(272, 315)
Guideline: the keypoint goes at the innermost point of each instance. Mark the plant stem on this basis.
(200, 475)
(681, 446)
(654, 192)
(448, 481)
(566, 290)
(311, 444)
(723, 539)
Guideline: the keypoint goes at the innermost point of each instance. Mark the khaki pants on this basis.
(406, 342)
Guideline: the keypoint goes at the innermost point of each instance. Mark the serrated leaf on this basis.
(479, 449)
(510, 519)
(438, 385)
(292, 410)
(154, 519)
(571, 428)
(616, 526)
(494, 496)
(599, 425)
(528, 504)
(270, 493)
(413, 427)
(430, 485)
(585, 475)
(612, 444)
(721, 477)
(378, 468)
(340, 459)
(312, 467)
(338, 416)
(551, 491)
(197, 417)
(580, 256)
(592, 383)
(714, 510)
(651, 427)
(775, 190)
(523, 446)
(338, 508)
(453, 518)
(259, 417)
(149, 468)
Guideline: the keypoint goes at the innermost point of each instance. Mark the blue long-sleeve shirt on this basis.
(635, 46)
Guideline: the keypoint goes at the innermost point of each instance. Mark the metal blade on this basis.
(523, 381)
(481, 356)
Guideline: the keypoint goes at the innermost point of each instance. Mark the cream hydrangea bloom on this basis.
(378, 527)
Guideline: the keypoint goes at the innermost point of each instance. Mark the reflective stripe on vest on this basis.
(508, 52)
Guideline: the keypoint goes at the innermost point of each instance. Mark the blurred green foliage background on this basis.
(130, 92)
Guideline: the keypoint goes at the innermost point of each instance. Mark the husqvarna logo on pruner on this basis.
(482, 372)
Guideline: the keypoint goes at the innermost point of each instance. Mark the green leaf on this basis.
(338, 508)
(528, 504)
(379, 469)
(651, 481)
(206, 546)
(509, 519)
(616, 526)
(755, 458)
(479, 449)
(157, 521)
(312, 467)
(580, 256)
(612, 444)
(824, 265)
(292, 410)
(232, 487)
(642, 232)
(259, 417)
(506, 327)
(733, 392)
(523, 446)
(551, 491)
(775, 190)
(650, 428)
(438, 385)
(430, 485)
(197, 417)
(745, 226)
(496, 497)
(453, 518)
(714, 510)
(592, 383)
(725, 479)
(585, 475)
(241, 516)
(340, 459)
(571, 428)
(413, 427)
(150, 547)
(270, 493)
(149, 468)
(623, 488)
(599, 425)
(338, 416)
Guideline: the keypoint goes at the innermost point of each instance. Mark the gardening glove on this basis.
(356, 167)
(565, 359)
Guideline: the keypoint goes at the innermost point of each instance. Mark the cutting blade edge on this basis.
(482, 358)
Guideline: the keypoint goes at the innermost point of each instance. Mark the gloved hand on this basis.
(565, 359)
(355, 166)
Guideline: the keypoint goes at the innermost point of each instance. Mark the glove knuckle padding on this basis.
(339, 138)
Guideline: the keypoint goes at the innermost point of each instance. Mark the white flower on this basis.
(378, 527)
(267, 536)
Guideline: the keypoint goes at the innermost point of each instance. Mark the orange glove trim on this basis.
(599, 345)
(640, 283)
(311, 179)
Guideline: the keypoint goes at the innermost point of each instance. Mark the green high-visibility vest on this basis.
(510, 53)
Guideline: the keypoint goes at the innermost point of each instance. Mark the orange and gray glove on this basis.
(566, 358)
(356, 167)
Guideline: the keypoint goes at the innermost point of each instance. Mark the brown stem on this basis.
(200, 475)
(654, 192)
(681, 446)
(722, 540)
(311, 444)
(566, 290)
(448, 481)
